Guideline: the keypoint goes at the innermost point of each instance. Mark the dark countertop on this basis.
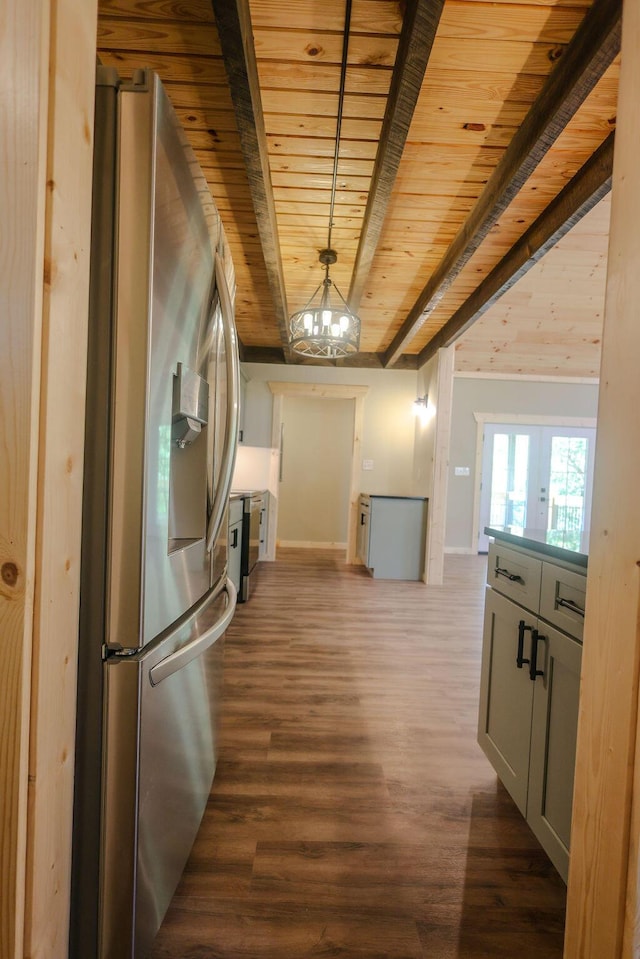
(567, 546)
(386, 496)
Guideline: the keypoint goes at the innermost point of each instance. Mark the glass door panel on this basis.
(537, 477)
(508, 495)
(570, 471)
(509, 480)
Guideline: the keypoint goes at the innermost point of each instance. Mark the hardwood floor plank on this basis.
(353, 814)
(259, 933)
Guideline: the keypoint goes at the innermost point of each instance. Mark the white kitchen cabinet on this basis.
(391, 534)
(530, 688)
(264, 525)
(235, 541)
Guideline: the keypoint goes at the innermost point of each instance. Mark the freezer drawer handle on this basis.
(569, 604)
(176, 661)
(512, 577)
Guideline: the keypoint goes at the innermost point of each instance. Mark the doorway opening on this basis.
(315, 465)
(320, 391)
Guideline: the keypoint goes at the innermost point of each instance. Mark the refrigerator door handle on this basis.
(233, 394)
(176, 661)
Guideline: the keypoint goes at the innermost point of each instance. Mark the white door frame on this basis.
(320, 391)
(512, 419)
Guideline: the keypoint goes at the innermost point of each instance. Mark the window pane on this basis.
(567, 482)
(509, 477)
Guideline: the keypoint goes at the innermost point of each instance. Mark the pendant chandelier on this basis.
(326, 327)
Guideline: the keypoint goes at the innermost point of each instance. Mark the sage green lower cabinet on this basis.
(553, 744)
(528, 716)
(506, 699)
(390, 539)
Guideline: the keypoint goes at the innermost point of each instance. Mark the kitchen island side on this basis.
(530, 679)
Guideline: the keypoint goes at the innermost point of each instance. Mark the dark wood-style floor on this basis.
(353, 814)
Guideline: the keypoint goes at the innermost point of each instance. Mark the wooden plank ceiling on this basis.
(467, 139)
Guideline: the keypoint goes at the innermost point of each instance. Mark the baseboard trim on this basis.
(307, 544)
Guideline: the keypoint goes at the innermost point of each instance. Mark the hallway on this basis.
(353, 814)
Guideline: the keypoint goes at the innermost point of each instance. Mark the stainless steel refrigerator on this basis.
(161, 435)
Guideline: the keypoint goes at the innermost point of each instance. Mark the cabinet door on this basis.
(362, 539)
(553, 743)
(235, 540)
(264, 521)
(506, 695)
(396, 537)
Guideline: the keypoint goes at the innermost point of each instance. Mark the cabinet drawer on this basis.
(515, 575)
(562, 598)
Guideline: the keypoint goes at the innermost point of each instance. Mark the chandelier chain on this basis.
(336, 156)
(322, 329)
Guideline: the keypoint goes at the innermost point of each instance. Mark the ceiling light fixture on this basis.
(324, 328)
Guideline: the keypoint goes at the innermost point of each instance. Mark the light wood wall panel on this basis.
(65, 321)
(602, 904)
(24, 56)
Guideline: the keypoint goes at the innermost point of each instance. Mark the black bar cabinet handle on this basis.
(522, 628)
(512, 577)
(234, 542)
(569, 604)
(362, 519)
(533, 665)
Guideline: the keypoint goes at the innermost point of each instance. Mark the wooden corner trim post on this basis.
(24, 54)
(603, 875)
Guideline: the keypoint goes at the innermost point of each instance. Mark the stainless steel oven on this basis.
(253, 505)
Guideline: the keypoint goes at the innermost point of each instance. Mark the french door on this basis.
(537, 477)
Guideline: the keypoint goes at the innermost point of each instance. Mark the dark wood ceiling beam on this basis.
(236, 40)
(591, 183)
(263, 354)
(271, 354)
(416, 39)
(375, 361)
(591, 51)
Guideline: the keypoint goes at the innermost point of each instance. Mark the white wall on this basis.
(256, 469)
(316, 471)
(484, 395)
(389, 422)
